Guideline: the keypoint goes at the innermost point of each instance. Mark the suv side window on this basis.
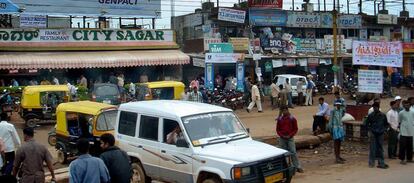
(148, 128)
(169, 134)
(127, 123)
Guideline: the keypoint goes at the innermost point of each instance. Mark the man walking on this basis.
(30, 158)
(320, 118)
(255, 98)
(87, 169)
(286, 128)
(288, 89)
(299, 89)
(309, 90)
(392, 118)
(377, 124)
(116, 160)
(11, 141)
(406, 118)
(275, 94)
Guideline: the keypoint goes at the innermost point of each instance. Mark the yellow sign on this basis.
(274, 178)
(240, 44)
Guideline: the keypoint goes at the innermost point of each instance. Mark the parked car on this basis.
(106, 93)
(180, 141)
(293, 80)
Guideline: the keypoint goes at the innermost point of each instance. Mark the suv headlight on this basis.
(239, 172)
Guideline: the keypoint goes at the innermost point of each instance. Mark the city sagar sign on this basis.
(73, 38)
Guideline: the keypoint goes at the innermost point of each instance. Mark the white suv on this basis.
(177, 141)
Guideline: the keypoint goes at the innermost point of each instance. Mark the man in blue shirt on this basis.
(87, 169)
(320, 119)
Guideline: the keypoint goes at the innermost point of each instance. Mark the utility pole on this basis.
(293, 5)
(324, 5)
(383, 5)
(403, 5)
(218, 3)
(172, 2)
(347, 6)
(375, 7)
(335, 34)
(319, 5)
(360, 6)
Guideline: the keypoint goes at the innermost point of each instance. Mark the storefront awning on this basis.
(91, 59)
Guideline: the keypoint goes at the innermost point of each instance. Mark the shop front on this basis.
(408, 62)
(95, 53)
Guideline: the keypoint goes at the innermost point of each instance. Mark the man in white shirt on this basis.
(392, 118)
(11, 141)
(288, 88)
(255, 98)
(275, 94)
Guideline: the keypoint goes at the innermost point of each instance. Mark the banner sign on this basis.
(8, 7)
(231, 15)
(107, 8)
(224, 57)
(277, 44)
(277, 63)
(33, 21)
(240, 76)
(350, 21)
(305, 45)
(267, 17)
(303, 19)
(266, 3)
(220, 48)
(207, 42)
(240, 44)
(387, 54)
(209, 75)
(370, 81)
(387, 19)
(290, 62)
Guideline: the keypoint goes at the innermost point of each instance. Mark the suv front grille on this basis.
(272, 165)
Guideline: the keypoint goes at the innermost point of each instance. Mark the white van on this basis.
(212, 147)
(293, 80)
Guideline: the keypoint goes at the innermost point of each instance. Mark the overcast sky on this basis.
(188, 6)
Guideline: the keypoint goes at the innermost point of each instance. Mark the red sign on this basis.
(408, 47)
(266, 3)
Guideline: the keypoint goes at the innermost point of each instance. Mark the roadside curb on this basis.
(301, 141)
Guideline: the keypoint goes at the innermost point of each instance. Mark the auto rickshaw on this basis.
(160, 90)
(38, 103)
(83, 119)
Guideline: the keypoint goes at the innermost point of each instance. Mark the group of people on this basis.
(25, 161)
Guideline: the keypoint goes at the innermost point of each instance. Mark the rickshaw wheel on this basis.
(52, 140)
(31, 122)
(138, 175)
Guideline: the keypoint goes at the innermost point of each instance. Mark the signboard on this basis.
(370, 81)
(209, 75)
(290, 62)
(267, 17)
(207, 41)
(305, 45)
(268, 66)
(350, 21)
(313, 62)
(220, 48)
(266, 3)
(378, 38)
(363, 34)
(329, 43)
(33, 21)
(6, 6)
(388, 54)
(240, 44)
(107, 8)
(240, 76)
(277, 63)
(408, 47)
(224, 57)
(276, 44)
(231, 15)
(387, 19)
(303, 19)
(198, 62)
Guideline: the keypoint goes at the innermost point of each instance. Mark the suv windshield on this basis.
(106, 90)
(207, 128)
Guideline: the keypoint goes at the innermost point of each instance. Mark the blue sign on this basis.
(267, 17)
(240, 76)
(209, 75)
(8, 7)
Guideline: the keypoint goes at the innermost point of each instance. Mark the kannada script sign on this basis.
(387, 54)
(370, 81)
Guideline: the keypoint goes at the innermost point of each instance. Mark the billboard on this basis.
(303, 19)
(231, 15)
(370, 81)
(107, 8)
(266, 3)
(387, 54)
(8, 7)
(267, 17)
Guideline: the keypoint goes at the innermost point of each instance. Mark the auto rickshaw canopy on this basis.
(178, 88)
(31, 94)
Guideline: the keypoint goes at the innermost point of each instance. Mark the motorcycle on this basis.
(409, 82)
(9, 103)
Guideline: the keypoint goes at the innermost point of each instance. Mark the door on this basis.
(176, 162)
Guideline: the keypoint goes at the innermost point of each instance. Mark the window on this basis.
(169, 126)
(127, 123)
(148, 128)
(106, 121)
(163, 93)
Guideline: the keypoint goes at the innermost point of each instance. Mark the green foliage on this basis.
(12, 90)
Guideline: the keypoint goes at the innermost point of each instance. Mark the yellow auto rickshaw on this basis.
(38, 103)
(83, 119)
(160, 90)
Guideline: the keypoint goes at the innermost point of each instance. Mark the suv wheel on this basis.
(211, 180)
(138, 174)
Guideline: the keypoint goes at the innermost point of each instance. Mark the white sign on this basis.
(198, 62)
(303, 19)
(33, 21)
(231, 15)
(224, 57)
(207, 42)
(257, 56)
(107, 8)
(387, 19)
(277, 63)
(329, 43)
(370, 81)
(387, 54)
